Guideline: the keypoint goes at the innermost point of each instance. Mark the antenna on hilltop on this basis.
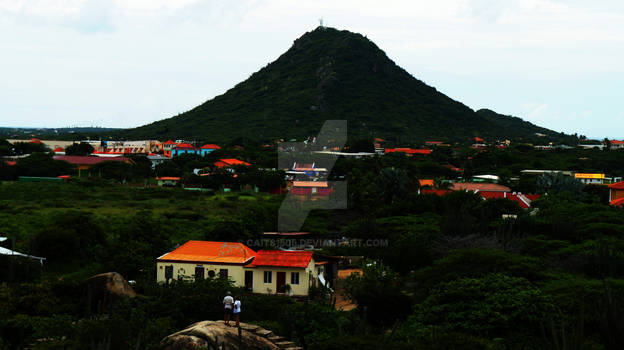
(321, 22)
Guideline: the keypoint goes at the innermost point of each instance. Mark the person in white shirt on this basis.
(237, 310)
(228, 301)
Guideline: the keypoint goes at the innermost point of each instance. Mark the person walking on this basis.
(228, 302)
(237, 310)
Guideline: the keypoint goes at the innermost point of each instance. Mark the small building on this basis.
(205, 259)
(86, 162)
(168, 181)
(616, 193)
(274, 269)
(590, 179)
(230, 162)
(305, 188)
(156, 159)
(207, 149)
(183, 148)
(478, 187)
(408, 151)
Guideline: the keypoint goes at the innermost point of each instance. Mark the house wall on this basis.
(186, 271)
(307, 278)
(616, 194)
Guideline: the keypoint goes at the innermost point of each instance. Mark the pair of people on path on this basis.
(231, 307)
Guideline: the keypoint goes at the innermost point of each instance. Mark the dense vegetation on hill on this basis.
(330, 74)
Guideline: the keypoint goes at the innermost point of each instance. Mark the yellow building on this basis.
(273, 270)
(201, 259)
(264, 272)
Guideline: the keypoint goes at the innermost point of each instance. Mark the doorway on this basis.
(249, 280)
(281, 281)
(199, 272)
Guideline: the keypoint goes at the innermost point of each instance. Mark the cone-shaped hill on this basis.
(332, 74)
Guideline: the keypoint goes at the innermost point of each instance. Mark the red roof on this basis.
(184, 145)
(617, 202)
(210, 146)
(408, 150)
(617, 185)
(310, 183)
(281, 258)
(10, 162)
(88, 160)
(472, 186)
(617, 142)
(434, 191)
(211, 252)
(170, 142)
(34, 140)
(172, 178)
(478, 139)
(59, 149)
(379, 139)
(230, 162)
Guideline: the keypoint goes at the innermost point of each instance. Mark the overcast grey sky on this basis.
(126, 63)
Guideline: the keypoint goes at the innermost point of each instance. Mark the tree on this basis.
(394, 184)
(79, 149)
(557, 182)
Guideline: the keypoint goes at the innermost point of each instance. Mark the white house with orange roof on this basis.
(201, 259)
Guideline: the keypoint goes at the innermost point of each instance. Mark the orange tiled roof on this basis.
(184, 145)
(472, 186)
(170, 142)
(230, 162)
(282, 258)
(408, 150)
(168, 178)
(617, 202)
(211, 252)
(617, 185)
(310, 183)
(210, 146)
(426, 182)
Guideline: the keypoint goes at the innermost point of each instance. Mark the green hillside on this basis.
(331, 74)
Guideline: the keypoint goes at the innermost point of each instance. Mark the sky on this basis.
(126, 63)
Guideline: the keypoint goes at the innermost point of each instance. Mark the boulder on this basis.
(207, 334)
(104, 289)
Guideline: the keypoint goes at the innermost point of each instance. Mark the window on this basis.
(211, 273)
(223, 273)
(294, 278)
(268, 277)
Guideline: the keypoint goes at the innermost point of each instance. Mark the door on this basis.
(199, 272)
(281, 281)
(249, 280)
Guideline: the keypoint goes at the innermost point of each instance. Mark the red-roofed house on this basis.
(408, 151)
(273, 269)
(617, 144)
(86, 162)
(306, 188)
(201, 259)
(478, 139)
(616, 193)
(477, 187)
(228, 163)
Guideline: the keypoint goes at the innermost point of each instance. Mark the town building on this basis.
(408, 151)
(274, 269)
(168, 181)
(616, 194)
(263, 272)
(202, 259)
(229, 163)
(84, 163)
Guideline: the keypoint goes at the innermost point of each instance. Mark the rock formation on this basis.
(216, 335)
